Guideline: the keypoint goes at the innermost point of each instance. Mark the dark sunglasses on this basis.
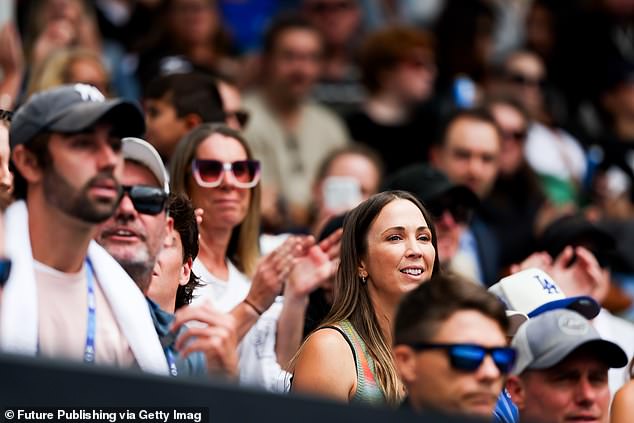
(242, 116)
(469, 357)
(519, 136)
(5, 270)
(210, 173)
(146, 199)
(328, 6)
(460, 212)
(524, 80)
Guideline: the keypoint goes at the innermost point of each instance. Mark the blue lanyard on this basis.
(171, 361)
(91, 326)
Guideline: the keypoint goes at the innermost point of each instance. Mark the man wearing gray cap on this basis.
(66, 297)
(134, 236)
(561, 373)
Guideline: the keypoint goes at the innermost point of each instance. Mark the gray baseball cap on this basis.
(547, 339)
(73, 108)
(143, 152)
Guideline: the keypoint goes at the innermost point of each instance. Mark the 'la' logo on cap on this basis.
(89, 93)
(547, 286)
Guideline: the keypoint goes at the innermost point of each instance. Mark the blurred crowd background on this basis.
(336, 96)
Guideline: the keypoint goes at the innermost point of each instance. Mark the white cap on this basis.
(143, 152)
(532, 291)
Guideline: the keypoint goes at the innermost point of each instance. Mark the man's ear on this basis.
(169, 239)
(405, 360)
(186, 270)
(26, 163)
(515, 388)
(192, 120)
(434, 155)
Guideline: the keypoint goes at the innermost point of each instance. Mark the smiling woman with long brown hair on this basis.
(388, 249)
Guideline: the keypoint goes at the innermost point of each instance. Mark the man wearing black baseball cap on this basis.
(66, 297)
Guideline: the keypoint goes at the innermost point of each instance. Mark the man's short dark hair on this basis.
(425, 309)
(477, 113)
(39, 147)
(182, 211)
(189, 93)
(281, 25)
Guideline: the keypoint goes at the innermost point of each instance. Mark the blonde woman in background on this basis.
(69, 65)
(213, 165)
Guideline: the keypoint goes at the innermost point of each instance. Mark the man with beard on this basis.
(135, 235)
(66, 297)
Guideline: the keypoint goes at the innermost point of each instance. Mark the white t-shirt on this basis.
(62, 301)
(224, 294)
(555, 153)
(258, 361)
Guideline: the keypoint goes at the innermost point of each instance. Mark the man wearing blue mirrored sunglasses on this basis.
(450, 347)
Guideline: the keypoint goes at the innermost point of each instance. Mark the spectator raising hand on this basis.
(218, 339)
(313, 265)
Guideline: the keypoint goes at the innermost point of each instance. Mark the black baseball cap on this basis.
(576, 230)
(429, 184)
(73, 108)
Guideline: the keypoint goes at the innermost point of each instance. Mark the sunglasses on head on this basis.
(242, 116)
(5, 270)
(461, 213)
(210, 173)
(469, 357)
(146, 199)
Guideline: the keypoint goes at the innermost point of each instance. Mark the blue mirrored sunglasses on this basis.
(5, 270)
(469, 357)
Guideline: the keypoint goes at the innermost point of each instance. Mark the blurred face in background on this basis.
(337, 20)
(525, 77)
(360, 168)
(514, 130)
(88, 71)
(164, 127)
(412, 79)
(294, 64)
(348, 168)
(192, 22)
(470, 153)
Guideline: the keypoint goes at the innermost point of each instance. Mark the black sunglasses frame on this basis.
(461, 213)
(146, 199)
(460, 363)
